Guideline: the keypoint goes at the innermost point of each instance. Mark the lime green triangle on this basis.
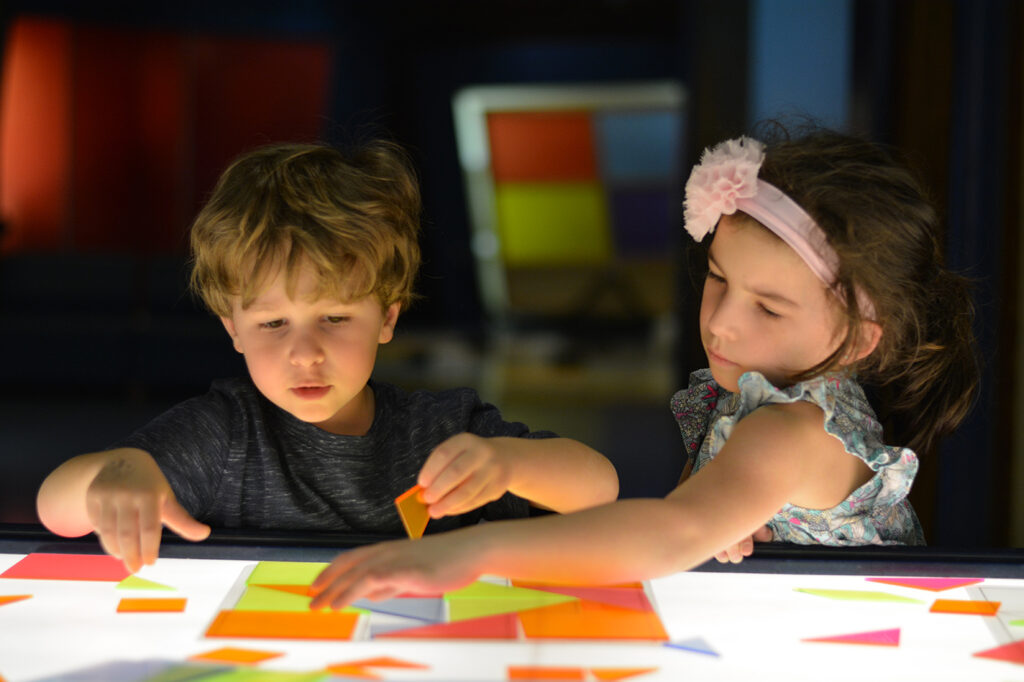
(247, 674)
(485, 590)
(187, 672)
(464, 609)
(134, 582)
(256, 598)
(1017, 622)
(285, 573)
(860, 595)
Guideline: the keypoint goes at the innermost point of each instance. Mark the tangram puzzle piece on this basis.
(284, 624)
(487, 599)
(931, 584)
(427, 610)
(42, 566)
(965, 606)
(619, 673)
(278, 573)
(627, 598)
(134, 582)
(1012, 653)
(348, 671)
(589, 620)
(545, 672)
(696, 644)
(413, 511)
(130, 605)
(269, 598)
(11, 598)
(504, 626)
(858, 595)
(233, 655)
(874, 637)
(361, 668)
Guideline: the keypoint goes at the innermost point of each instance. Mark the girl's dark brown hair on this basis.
(877, 217)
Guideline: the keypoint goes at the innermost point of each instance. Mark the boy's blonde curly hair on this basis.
(353, 217)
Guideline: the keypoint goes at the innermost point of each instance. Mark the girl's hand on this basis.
(426, 566)
(744, 548)
(128, 503)
(463, 473)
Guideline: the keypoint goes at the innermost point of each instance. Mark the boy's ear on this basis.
(869, 336)
(387, 327)
(229, 325)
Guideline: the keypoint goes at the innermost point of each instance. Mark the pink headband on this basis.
(726, 180)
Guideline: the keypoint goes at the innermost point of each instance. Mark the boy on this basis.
(308, 256)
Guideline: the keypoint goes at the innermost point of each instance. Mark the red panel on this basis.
(250, 93)
(35, 131)
(542, 146)
(130, 144)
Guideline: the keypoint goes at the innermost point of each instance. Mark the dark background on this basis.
(98, 334)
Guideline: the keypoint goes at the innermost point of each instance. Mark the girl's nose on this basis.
(723, 322)
(306, 351)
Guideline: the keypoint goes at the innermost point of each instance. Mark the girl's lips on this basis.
(311, 392)
(716, 358)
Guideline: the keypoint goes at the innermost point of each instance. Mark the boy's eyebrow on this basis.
(762, 293)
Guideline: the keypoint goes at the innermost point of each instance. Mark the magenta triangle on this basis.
(931, 584)
(502, 626)
(1012, 652)
(627, 598)
(874, 637)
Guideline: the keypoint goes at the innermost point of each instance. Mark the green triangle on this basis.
(256, 598)
(134, 582)
(285, 573)
(482, 599)
(860, 595)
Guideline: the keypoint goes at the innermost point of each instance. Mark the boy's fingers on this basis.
(106, 529)
(181, 522)
(128, 539)
(438, 461)
(149, 532)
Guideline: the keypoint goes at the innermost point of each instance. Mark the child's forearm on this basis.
(61, 501)
(559, 473)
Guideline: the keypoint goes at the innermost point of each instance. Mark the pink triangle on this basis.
(1012, 652)
(627, 598)
(932, 584)
(875, 637)
(502, 626)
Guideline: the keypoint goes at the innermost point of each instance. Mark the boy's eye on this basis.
(337, 319)
(273, 324)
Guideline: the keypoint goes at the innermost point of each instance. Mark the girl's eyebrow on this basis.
(762, 293)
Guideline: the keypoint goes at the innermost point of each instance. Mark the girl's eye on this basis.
(767, 311)
(273, 324)
(715, 278)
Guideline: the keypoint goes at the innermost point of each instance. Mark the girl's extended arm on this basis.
(467, 471)
(121, 495)
(776, 455)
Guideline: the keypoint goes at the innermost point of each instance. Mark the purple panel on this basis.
(644, 221)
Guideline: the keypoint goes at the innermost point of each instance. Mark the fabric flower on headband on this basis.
(726, 172)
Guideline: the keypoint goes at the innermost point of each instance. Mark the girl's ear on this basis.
(869, 336)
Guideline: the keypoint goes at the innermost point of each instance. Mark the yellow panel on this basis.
(553, 223)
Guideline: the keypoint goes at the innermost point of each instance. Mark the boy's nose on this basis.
(306, 352)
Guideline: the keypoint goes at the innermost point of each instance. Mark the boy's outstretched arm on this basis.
(467, 471)
(121, 495)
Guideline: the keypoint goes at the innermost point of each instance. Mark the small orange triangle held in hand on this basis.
(413, 511)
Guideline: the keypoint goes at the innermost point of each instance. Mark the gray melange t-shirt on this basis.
(236, 460)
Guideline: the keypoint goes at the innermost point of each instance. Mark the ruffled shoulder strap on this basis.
(693, 408)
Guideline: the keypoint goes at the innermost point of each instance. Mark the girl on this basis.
(824, 270)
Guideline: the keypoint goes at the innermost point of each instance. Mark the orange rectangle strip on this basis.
(966, 606)
(284, 624)
(587, 620)
(134, 605)
(544, 672)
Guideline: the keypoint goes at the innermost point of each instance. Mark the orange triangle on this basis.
(619, 673)
(11, 598)
(545, 672)
(387, 662)
(413, 511)
(348, 670)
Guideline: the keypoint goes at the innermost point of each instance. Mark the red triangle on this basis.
(626, 598)
(874, 637)
(502, 626)
(1012, 652)
(931, 584)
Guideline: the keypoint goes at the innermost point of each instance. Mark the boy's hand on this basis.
(463, 473)
(429, 565)
(127, 504)
(744, 548)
